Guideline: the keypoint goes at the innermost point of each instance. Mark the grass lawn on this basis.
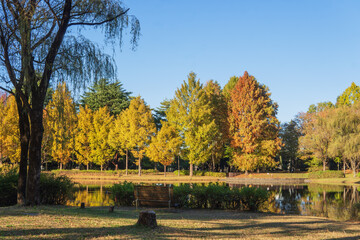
(59, 222)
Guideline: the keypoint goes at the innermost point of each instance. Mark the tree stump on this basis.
(147, 218)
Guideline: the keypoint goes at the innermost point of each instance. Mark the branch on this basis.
(6, 90)
(99, 23)
(45, 37)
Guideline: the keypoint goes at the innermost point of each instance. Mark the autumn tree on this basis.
(142, 128)
(105, 93)
(344, 124)
(100, 150)
(229, 87)
(253, 125)
(164, 146)
(350, 96)
(317, 135)
(9, 130)
(62, 121)
(218, 107)
(38, 47)
(190, 113)
(319, 107)
(82, 137)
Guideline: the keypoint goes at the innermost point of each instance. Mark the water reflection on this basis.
(332, 201)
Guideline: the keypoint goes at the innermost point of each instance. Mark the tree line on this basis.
(203, 123)
(327, 134)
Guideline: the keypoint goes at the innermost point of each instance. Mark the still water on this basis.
(332, 201)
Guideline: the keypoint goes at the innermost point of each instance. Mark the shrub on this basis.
(217, 195)
(8, 188)
(55, 190)
(327, 174)
(123, 193)
(200, 173)
(252, 198)
(182, 195)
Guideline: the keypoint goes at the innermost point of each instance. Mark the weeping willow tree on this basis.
(41, 41)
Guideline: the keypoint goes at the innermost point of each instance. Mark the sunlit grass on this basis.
(48, 222)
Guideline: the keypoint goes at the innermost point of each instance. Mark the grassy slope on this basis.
(47, 222)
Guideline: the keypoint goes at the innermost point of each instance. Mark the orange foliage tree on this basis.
(253, 125)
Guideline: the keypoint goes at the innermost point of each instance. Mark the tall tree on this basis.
(164, 146)
(317, 135)
(289, 135)
(190, 114)
(230, 86)
(253, 125)
(141, 128)
(160, 113)
(350, 96)
(82, 137)
(345, 123)
(100, 150)
(36, 49)
(219, 115)
(104, 93)
(62, 121)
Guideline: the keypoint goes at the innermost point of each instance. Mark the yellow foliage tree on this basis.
(9, 129)
(164, 145)
(62, 121)
(82, 138)
(139, 128)
(100, 150)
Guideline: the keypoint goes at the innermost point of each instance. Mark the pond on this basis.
(332, 201)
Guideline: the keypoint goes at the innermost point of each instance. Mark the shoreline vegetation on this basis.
(63, 222)
(84, 177)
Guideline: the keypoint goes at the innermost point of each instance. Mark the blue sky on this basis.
(304, 51)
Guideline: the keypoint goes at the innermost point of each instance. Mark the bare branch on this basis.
(99, 23)
(45, 37)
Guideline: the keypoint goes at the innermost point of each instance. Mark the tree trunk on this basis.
(36, 134)
(61, 166)
(24, 128)
(101, 167)
(324, 165)
(139, 166)
(127, 162)
(344, 165)
(191, 169)
(164, 171)
(87, 167)
(179, 166)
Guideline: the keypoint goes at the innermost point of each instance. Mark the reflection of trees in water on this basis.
(92, 197)
(332, 201)
(336, 202)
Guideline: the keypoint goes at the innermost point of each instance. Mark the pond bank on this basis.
(59, 222)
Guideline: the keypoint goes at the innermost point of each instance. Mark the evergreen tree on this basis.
(160, 113)
(190, 114)
(104, 93)
(253, 125)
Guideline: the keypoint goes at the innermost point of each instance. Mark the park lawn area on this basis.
(60, 222)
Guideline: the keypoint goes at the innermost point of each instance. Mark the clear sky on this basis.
(304, 51)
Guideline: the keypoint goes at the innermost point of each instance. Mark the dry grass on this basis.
(96, 223)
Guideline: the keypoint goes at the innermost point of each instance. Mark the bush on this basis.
(8, 188)
(326, 174)
(182, 195)
(252, 198)
(217, 196)
(200, 173)
(55, 190)
(123, 194)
